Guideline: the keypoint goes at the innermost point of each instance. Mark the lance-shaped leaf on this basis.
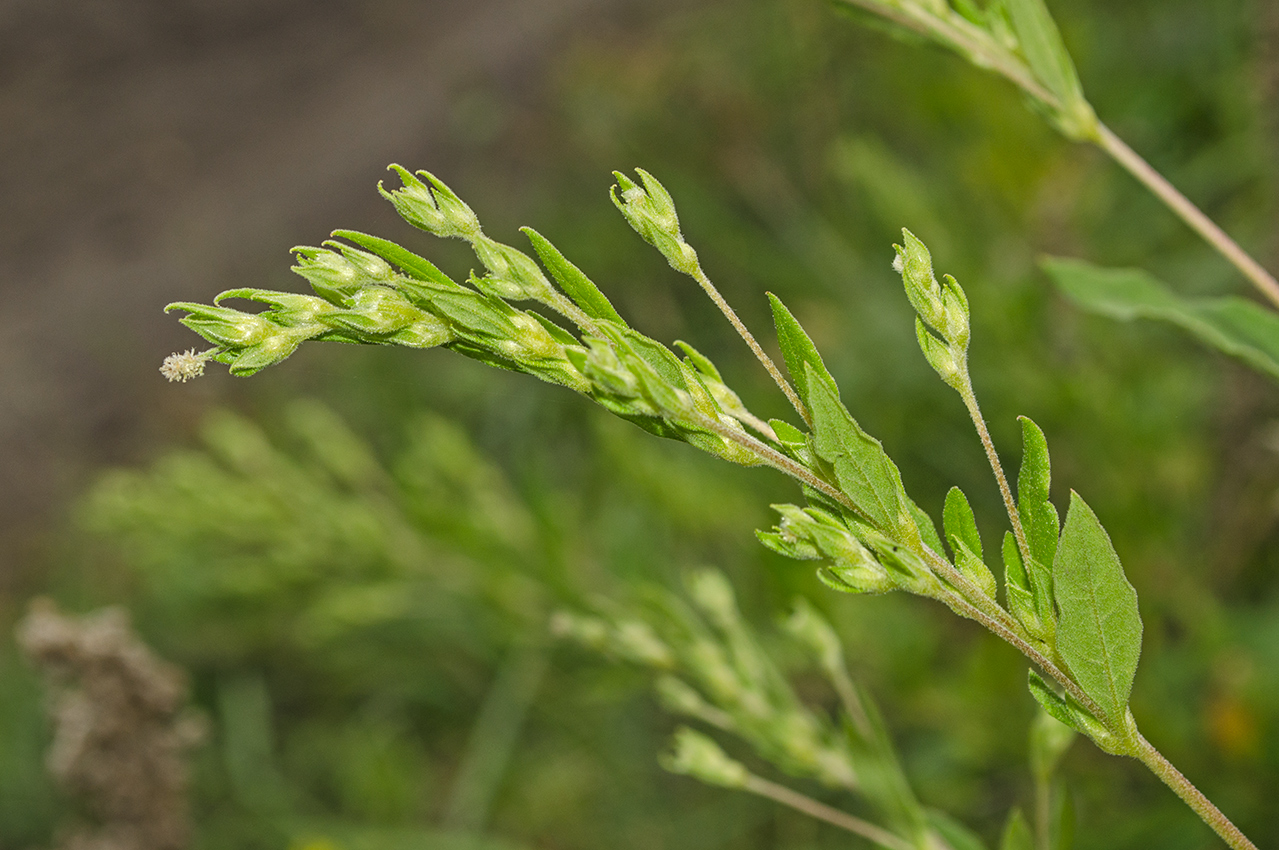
(863, 471)
(408, 262)
(1050, 62)
(798, 350)
(1236, 326)
(1099, 626)
(959, 521)
(1017, 588)
(1038, 516)
(572, 280)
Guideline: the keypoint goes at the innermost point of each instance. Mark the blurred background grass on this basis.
(344, 623)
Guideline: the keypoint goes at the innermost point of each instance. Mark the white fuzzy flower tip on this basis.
(183, 366)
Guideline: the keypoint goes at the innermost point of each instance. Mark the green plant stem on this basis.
(1010, 505)
(1133, 163)
(1043, 811)
(1145, 752)
(494, 735)
(987, 611)
(821, 811)
(756, 349)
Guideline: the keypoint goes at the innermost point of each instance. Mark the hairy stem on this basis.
(1188, 212)
(756, 349)
(823, 812)
(1145, 752)
(1010, 505)
(771, 457)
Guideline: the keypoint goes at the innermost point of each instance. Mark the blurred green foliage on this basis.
(349, 604)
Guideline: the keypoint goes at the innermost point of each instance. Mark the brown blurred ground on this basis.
(155, 150)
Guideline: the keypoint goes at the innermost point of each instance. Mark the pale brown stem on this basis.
(1188, 212)
(1193, 797)
(756, 349)
(1010, 504)
(823, 812)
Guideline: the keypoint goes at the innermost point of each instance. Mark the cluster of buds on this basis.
(942, 324)
(380, 293)
(811, 534)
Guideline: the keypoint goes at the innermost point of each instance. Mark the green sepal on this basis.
(572, 280)
(559, 334)
(827, 577)
(798, 550)
(700, 361)
(408, 262)
(939, 356)
(960, 522)
(1017, 835)
(798, 351)
(435, 209)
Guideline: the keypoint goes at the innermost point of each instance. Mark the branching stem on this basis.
(821, 811)
(1010, 504)
(756, 349)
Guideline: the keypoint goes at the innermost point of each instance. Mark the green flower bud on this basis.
(943, 307)
(813, 533)
(222, 326)
(698, 756)
(435, 209)
(915, 264)
(512, 274)
(650, 211)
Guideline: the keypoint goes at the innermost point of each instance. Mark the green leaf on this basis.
(863, 471)
(927, 528)
(798, 351)
(787, 434)
(1045, 52)
(1038, 516)
(1099, 629)
(1017, 835)
(1021, 602)
(1048, 699)
(410, 263)
(1235, 326)
(959, 521)
(574, 282)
